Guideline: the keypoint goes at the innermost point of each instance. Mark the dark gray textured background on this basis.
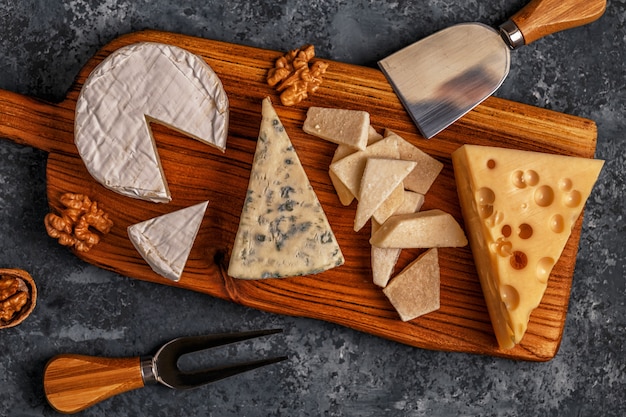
(332, 371)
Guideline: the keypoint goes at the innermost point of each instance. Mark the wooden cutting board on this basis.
(344, 295)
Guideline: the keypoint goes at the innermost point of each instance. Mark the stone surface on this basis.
(332, 370)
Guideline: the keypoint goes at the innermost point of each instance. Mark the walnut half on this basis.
(18, 296)
(295, 77)
(78, 223)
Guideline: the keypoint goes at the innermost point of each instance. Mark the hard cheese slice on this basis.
(136, 84)
(381, 177)
(283, 230)
(415, 291)
(165, 242)
(519, 208)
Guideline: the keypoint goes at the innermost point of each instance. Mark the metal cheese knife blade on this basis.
(447, 74)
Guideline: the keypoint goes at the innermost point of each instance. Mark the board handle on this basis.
(540, 18)
(36, 123)
(75, 382)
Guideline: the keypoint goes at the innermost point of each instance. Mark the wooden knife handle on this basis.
(540, 18)
(75, 382)
(36, 123)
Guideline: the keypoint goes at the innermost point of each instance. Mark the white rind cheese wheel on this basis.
(165, 242)
(137, 84)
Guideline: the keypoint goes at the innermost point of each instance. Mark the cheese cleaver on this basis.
(447, 74)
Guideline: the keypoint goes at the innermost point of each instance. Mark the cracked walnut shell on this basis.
(18, 296)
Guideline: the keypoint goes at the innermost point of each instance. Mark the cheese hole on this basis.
(557, 224)
(519, 260)
(491, 164)
(572, 199)
(502, 247)
(531, 177)
(517, 178)
(485, 198)
(544, 196)
(565, 184)
(544, 266)
(525, 231)
(510, 297)
(506, 230)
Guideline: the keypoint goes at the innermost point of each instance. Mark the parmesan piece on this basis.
(137, 84)
(350, 168)
(519, 208)
(283, 230)
(381, 177)
(425, 229)
(391, 204)
(426, 170)
(383, 261)
(416, 290)
(165, 242)
(340, 126)
(345, 195)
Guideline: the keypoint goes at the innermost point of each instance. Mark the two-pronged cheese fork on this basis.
(75, 382)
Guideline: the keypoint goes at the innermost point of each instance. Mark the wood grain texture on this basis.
(75, 382)
(344, 295)
(541, 18)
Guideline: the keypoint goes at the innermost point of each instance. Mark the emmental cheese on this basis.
(137, 84)
(519, 208)
(283, 230)
(165, 242)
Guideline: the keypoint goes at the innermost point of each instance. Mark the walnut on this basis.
(294, 78)
(78, 223)
(18, 296)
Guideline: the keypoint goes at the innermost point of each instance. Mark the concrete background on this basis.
(332, 371)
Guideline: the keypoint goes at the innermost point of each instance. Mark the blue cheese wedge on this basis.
(165, 242)
(137, 84)
(283, 230)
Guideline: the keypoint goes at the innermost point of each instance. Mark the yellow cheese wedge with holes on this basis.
(519, 208)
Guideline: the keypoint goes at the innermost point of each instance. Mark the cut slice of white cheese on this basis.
(519, 208)
(283, 230)
(340, 126)
(345, 195)
(380, 178)
(426, 170)
(350, 168)
(425, 229)
(165, 242)
(383, 261)
(416, 290)
(135, 85)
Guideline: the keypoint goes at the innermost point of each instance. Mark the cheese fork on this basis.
(75, 382)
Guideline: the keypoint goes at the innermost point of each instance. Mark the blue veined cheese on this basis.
(283, 230)
(165, 242)
(141, 83)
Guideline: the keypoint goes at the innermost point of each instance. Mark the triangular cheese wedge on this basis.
(416, 290)
(283, 230)
(381, 177)
(139, 83)
(349, 169)
(165, 242)
(519, 208)
(383, 261)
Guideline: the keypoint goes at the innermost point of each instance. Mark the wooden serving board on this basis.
(344, 295)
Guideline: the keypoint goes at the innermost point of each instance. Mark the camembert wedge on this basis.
(165, 242)
(137, 84)
(519, 208)
(283, 230)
